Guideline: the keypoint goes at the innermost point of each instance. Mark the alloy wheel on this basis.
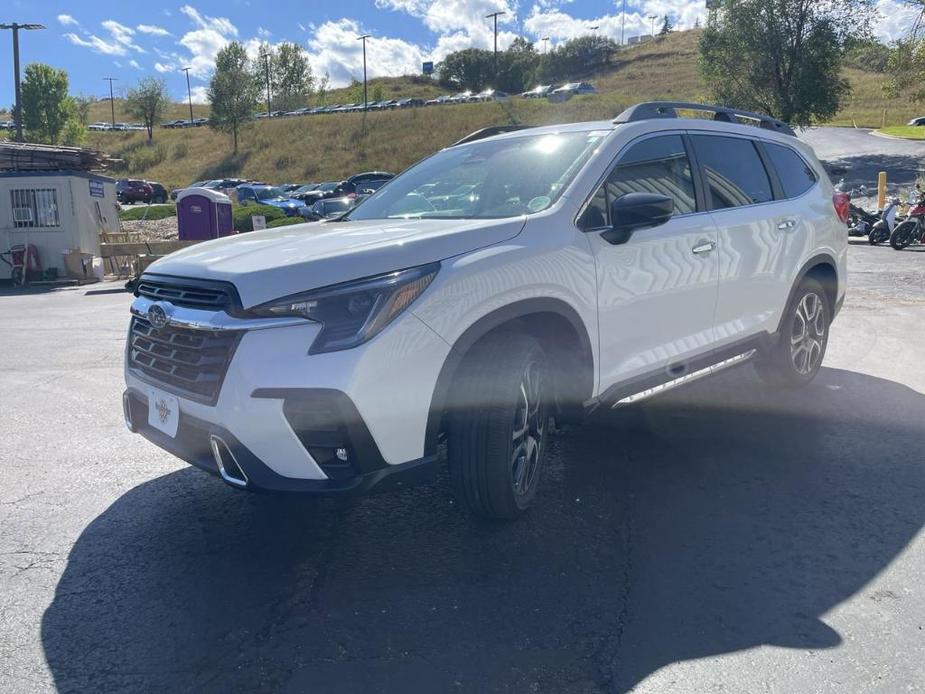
(529, 427)
(807, 339)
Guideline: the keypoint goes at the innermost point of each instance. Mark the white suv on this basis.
(513, 277)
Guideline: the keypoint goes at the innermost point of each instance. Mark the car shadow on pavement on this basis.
(714, 519)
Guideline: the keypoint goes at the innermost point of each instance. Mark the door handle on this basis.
(786, 224)
(703, 247)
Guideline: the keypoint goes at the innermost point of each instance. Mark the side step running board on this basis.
(687, 378)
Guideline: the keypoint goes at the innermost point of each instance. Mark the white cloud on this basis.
(67, 20)
(335, 50)
(200, 95)
(122, 34)
(264, 33)
(96, 44)
(203, 43)
(134, 64)
(164, 67)
(152, 30)
(895, 19)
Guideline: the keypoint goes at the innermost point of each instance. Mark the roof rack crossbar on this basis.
(669, 109)
(490, 131)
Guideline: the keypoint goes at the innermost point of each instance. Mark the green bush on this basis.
(154, 212)
(242, 215)
(284, 222)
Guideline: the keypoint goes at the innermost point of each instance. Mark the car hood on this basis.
(271, 263)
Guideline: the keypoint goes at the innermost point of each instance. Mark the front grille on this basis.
(190, 293)
(187, 362)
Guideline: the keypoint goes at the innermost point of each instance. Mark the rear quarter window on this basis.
(796, 176)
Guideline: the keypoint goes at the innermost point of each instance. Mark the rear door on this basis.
(657, 291)
(761, 233)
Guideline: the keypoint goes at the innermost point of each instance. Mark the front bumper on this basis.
(197, 442)
(284, 413)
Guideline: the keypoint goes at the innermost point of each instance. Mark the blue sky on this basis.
(127, 40)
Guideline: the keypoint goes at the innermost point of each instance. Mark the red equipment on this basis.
(23, 261)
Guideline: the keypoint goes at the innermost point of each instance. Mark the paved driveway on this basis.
(722, 538)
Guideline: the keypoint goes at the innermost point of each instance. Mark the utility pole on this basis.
(495, 15)
(594, 29)
(112, 102)
(623, 23)
(365, 99)
(545, 41)
(189, 93)
(266, 63)
(652, 18)
(14, 27)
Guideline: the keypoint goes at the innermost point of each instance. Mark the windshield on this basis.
(494, 179)
(269, 193)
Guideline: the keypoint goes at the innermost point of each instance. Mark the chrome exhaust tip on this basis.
(228, 466)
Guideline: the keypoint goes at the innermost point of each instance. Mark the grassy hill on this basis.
(330, 147)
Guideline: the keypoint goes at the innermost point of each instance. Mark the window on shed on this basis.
(34, 208)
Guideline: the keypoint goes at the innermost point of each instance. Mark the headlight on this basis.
(354, 312)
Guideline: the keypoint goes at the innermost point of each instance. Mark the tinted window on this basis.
(795, 175)
(657, 165)
(734, 171)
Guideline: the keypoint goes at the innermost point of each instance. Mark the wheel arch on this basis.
(824, 269)
(560, 330)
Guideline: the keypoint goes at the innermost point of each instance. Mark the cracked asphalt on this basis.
(722, 537)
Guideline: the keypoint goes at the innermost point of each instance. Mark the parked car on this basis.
(601, 264)
(132, 190)
(410, 103)
(290, 187)
(249, 193)
(158, 192)
(369, 179)
(99, 126)
(439, 101)
(491, 95)
(917, 121)
(194, 184)
(319, 191)
(176, 123)
(573, 89)
(328, 208)
(540, 91)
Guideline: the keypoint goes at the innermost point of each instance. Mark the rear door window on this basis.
(796, 176)
(735, 174)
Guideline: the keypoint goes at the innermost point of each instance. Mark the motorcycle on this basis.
(881, 230)
(912, 229)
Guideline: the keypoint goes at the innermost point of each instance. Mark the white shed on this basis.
(56, 211)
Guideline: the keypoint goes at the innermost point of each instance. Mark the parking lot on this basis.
(720, 538)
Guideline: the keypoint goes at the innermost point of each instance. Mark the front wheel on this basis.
(903, 234)
(877, 235)
(496, 447)
(797, 356)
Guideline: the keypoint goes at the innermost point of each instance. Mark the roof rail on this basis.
(490, 131)
(669, 109)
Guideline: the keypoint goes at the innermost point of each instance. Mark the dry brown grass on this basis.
(330, 147)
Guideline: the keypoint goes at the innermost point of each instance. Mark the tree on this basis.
(48, 113)
(233, 91)
(147, 102)
(667, 26)
(377, 94)
(292, 76)
(323, 88)
(782, 57)
(906, 61)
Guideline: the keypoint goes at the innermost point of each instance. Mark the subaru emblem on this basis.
(158, 316)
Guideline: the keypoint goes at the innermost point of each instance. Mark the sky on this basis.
(93, 39)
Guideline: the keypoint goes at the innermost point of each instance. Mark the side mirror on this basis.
(637, 211)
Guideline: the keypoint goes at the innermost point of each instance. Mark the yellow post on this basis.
(881, 190)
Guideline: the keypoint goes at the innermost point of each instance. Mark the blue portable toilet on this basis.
(203, 214)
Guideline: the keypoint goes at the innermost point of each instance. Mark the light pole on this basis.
(545, 41)
(266, 64)
(622, 22)
(594, 28)
(14, 27)
(112, 103)
(495, 15)
(653, 17)
(365, 98)
(189, 93)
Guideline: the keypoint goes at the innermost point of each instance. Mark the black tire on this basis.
(495, 472)
(875, 236)
(794, 360)
(903, 234)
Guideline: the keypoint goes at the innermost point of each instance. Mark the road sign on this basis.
(428, 67)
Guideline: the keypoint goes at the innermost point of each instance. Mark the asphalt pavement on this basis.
(720, 538)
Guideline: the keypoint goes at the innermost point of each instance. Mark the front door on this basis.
(657, 291)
